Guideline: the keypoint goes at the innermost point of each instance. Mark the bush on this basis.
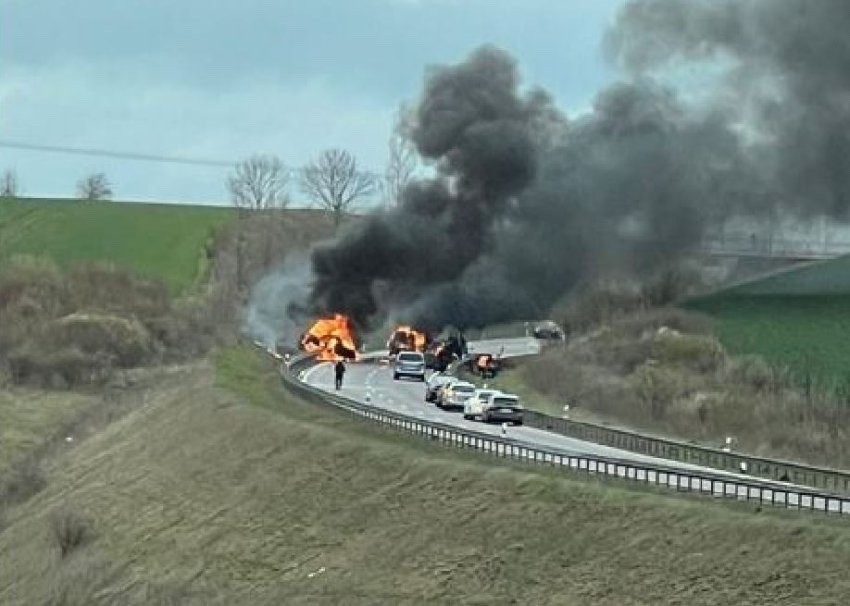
(57, 368)
(124, 341)
(20, 482)
(70, 530)
(650, 320)
(697, 352)
(753, 371)
(60, 330)
(657, 388)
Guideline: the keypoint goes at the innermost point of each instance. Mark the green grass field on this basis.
(799, 319)
(222, 489)
(153, 239)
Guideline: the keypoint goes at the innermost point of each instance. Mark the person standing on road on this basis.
(339, 371)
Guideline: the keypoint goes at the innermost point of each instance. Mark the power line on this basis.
(82, 151)
(103, 153)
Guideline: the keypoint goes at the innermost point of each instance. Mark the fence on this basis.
(706, 483)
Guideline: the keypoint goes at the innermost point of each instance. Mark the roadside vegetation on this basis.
(241, 494)
(664, 371)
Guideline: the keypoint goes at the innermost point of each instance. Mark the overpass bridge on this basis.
(781, 249)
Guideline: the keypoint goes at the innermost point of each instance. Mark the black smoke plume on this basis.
(526, 204)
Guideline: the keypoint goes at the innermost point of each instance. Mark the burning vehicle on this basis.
(331, 339)
(486, 365)
(439, 355)
(406, 338)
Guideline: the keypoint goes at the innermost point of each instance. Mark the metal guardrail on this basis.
(823, 478)
(705, 483)
(773, 469)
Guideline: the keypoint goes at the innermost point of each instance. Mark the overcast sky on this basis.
(221, 79)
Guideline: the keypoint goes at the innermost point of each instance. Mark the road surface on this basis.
(373, 384)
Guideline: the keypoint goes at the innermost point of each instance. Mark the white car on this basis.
(473, 408)
(503, 407)
(455, 395)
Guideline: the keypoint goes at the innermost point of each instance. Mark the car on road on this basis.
(473, 408)
(503, 407)
(549, 330)
(409, 364)
(435, 383)
(455, 395)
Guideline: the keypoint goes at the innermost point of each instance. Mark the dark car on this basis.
(503, 407)
(549, 330)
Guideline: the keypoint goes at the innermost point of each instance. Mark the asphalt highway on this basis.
(373, 384)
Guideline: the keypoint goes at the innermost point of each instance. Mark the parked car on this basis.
(473, 408)
(455, 395)
(503, 407)
(409, 364)
(435, 383)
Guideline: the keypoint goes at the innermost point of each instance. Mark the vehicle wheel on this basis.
(485, 418)
(395, 376)
(517, 422)
(467, 417)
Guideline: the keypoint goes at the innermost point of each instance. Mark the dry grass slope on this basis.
(236, 494)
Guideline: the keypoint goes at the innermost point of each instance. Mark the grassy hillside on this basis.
(798, 318)
(154, 239)
(241, 495)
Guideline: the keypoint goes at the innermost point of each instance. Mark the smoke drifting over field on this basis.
(527, 203)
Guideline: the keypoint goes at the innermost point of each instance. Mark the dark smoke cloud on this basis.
(526, 204)
(787, 80)
(481, 132)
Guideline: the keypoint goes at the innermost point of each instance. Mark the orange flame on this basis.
(331, 339)
(406, 338)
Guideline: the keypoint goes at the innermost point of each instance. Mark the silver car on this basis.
(409, 364)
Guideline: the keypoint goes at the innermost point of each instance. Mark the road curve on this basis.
(373, 384)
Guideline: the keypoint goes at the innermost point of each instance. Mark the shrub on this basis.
(124, 341)
(57, 368)
(21, 481)
(697, 352)
(650, 320)
(61, 330)
(70, 530)
(753, 371)
(657, 388)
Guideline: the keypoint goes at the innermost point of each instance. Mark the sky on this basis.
(221, 80)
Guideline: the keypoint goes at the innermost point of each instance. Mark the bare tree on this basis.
(9, 185)
(259, 183)
(334, 183)
(401, 165)
(94, 187)
(258, 188)
(402, 160)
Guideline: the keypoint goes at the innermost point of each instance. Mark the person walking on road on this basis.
(339, 371)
